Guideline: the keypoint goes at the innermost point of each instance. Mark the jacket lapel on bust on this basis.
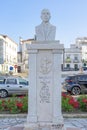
(49, 30)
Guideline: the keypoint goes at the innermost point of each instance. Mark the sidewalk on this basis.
(17, 122)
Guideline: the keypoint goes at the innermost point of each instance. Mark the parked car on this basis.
(84, 68)
(76, 84)
(13, 85)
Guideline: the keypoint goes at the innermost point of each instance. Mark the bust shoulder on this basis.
(43, 25)
(52, 26)
(38, 26)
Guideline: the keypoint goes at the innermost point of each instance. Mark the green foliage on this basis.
(82, 103)
(66, 106)
(16, 104)
(69, 104)
(25, 104)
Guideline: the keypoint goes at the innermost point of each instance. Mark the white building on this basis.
(8, 54)
(23, 56)
(72, 57)
(82, 43)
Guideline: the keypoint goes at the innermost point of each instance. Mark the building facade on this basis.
(82, 43)
(72, 57)
(8, 54)
(23, 55)
(12, 59)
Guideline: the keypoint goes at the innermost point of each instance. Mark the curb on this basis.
(75, 115)
(13, 115)
(65, 115)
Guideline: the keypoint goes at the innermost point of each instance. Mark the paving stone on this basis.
(69, 128)
(18, 123)
(16, 128)
(22, 128)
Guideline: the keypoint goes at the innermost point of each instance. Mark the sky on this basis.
(18, 18)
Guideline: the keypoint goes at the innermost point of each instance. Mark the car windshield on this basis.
(23, 81)
(69, 78)
(2, 80)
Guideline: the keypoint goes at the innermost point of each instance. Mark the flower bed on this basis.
(16, 105)
(71, 104)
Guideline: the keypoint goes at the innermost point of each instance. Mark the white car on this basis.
(13, 85)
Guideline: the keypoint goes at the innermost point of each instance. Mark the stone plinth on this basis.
(44, 110)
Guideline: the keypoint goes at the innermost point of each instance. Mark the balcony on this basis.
(68, 60)
(75, 61)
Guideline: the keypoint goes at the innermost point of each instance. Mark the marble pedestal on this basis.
(44, 103)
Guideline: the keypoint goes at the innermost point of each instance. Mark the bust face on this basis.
(45, 15)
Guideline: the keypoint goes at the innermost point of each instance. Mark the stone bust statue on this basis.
(45, 31)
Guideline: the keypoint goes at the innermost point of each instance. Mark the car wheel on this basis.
(76, 91)
(3, 93)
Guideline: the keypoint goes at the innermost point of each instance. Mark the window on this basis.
(23, 81)
(2, 80)
(75, 58)
(11, 81)
(68, 65)
(82, 78)
(76, 66)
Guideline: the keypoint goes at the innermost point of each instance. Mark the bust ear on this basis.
(50, 17)
(41, 17)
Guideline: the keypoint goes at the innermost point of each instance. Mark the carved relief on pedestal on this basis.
(45, 65)
(44, 93)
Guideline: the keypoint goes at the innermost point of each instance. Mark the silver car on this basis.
(13, 85)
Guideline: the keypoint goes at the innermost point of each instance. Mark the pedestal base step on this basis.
(22, 128)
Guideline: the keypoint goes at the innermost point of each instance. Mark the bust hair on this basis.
(45, 10)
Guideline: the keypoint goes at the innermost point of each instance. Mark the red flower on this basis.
(71, 101)
(19, 104)
(85, 100)
(64, 95)
(21, 96)
(74, 103)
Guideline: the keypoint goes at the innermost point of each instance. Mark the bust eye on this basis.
(43, 13)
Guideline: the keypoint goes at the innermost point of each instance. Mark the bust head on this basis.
(45, 15)
(45, 31)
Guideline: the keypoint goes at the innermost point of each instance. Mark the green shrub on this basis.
(82, 103)
(69, 104)
(16, 105)
(66, 106)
